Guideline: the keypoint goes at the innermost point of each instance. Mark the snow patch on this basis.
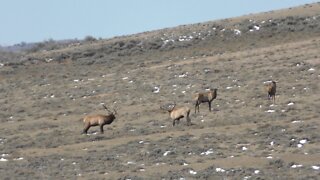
(296, 166)
(166, 153)
(220, 170)
(3, 159)
(271, 111)
(290, 104)
(156, 90)
(315, 167)
(303, 141)
(210, 151)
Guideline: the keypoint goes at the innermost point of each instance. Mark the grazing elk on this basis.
(204, 97)
(271, 89)
(176, 113)
(98, 120)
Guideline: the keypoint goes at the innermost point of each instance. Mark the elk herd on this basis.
(175, 113)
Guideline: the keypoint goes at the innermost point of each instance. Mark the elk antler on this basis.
(106, 108)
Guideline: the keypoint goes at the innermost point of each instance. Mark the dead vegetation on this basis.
(244, 137)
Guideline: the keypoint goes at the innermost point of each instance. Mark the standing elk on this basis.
(204, 97)
(176, 113)
(271, 89)
(98, 120)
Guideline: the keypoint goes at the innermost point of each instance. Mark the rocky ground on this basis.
(45, 94)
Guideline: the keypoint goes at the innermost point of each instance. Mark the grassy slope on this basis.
(42, 104)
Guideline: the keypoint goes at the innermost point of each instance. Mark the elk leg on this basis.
(188, 121)
(209, 105)
(101, 129)
(86, 128)
(195, 107)
(174, 122)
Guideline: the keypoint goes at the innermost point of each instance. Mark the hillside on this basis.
(45, 93)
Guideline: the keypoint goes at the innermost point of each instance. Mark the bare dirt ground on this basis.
(245, 136)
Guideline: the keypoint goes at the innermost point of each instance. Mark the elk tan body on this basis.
(176, 113)
(204, 97)
(98, 120)
(271, 89)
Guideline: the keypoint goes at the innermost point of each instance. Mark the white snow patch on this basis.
(124, 78)
(271, 111)
(228, 87)
(265, 82)
(210, 151)
(244, 148)
(18, 159)
(315, 167)
(185, 164)
(237, 31)
(220, 170)
(166, 153)
(290, 104)
(192, 172)
(131, 162)
(303, 141)
(311, 69)
(256, 171)
(3, 159)
(272, 143)
(183, 75)
(294, 122)
(156, 90)
(299, 145)
(269, 157)
(296, 166)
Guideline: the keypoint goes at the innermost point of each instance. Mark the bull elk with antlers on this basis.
(98, 120)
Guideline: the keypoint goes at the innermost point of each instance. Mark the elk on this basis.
(204, 97)
(176, 113)
(271, 89)
(98, 120)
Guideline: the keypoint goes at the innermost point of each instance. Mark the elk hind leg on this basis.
(101, 129)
